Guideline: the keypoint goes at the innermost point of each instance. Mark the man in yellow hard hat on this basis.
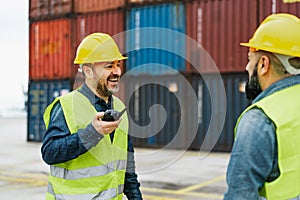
(90, 157)
(265, 159)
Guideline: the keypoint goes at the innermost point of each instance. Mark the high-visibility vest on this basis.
(283, 108)
(100, 172)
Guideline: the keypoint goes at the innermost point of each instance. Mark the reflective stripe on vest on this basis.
(106, 194)
(101, 170)
(295, 198)
(87, 172)
(287, 121)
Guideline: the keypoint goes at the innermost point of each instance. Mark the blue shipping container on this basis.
(149, 91)
(156, 39)
(40, 95)
(233, 106)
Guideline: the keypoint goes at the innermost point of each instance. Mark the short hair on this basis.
(295, 62)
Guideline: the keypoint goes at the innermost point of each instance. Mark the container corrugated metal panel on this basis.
(190, 115)
(149, 91)
(88, 6)
(40, 95)
(147, 2)
(144, 1)
(267, 7)
(169, 16)
(292, 8)
(50, 50)
(46, 9)
(60, 7)
(219, 26)
(110, 22)
(236, 102)
(38, 8)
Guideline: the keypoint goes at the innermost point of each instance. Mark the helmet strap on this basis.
(80, 68)
(284, 59)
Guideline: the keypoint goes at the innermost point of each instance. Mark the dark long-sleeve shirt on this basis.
(59, 145)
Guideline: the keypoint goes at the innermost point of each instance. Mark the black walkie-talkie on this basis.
(112, 115)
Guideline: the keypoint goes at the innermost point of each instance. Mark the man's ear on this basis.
(264, 65)
(87, 71)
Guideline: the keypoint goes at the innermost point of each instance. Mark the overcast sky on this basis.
(14, 52)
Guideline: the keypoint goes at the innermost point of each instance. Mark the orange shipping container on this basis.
(88, 6)
(46, 9)
(50, 50)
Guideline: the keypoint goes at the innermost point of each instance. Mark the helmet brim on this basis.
(94, 61)
(245, 44)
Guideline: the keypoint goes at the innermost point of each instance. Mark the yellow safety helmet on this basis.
(278, 33)
(97, 47)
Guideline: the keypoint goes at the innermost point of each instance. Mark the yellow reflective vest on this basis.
(283, 108)
(100, 172)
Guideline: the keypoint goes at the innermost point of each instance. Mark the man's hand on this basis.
(104, 127)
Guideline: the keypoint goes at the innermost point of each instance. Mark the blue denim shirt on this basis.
(254, 158)
(61, 146)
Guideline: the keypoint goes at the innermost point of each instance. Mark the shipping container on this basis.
(233, 105)
(49, 9)
(267, 7)
(132, 3)
(50, 50)
(219, 26)
(89, 6)
(40, 95)
(38, 8)
(153, 44)
(189, 121)
(110, 22)
(152, 125)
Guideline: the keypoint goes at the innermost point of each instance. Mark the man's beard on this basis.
(105, 91)
(252, 86)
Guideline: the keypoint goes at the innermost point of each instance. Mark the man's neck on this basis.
(105, 98)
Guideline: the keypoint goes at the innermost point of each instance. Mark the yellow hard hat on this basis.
(278, 33)
(97, 47)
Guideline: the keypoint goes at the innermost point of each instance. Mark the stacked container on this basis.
(154, 40)
(162, 47)
(50, 54)
(217, 27)
(168, 44)
(155, 46)
(56, 29)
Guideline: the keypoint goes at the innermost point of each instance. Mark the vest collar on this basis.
(279, 85)
(86, 91)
